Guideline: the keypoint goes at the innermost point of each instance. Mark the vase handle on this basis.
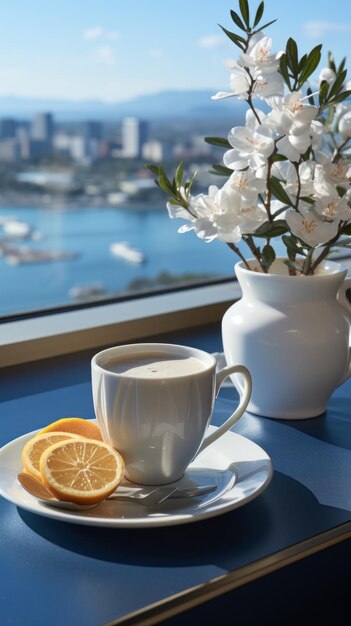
(346, 306)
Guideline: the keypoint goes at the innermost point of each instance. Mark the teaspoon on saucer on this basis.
(156, 496)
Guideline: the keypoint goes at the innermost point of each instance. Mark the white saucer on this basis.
(240, 469)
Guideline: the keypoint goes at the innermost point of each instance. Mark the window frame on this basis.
(54, 334)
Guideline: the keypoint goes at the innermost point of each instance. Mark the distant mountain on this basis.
(151, 106)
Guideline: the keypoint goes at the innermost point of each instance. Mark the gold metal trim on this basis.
(195, 596)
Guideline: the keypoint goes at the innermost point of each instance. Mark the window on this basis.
(89, 94)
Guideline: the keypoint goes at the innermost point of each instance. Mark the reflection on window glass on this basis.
(89, 93)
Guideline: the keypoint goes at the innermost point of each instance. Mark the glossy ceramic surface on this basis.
(292, 333)
(160, 424)
(240, 469)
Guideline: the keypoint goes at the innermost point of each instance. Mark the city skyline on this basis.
(115, 51)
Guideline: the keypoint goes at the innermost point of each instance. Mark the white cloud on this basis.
(315, 29)
(93, 33)
(210, 41)
(106, 54)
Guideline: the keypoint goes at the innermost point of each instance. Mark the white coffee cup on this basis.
(154, 403)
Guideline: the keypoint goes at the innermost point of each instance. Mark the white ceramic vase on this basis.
(292, 333)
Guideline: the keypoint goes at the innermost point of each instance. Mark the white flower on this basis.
(333, 208)
(246, 184)
(300, 182)
(203, 209)
(255, 73)
(316, 132)
(328, 75)
(258, 55)
(250, 147)
(268, 85)
(245, 218)
(328, 202)
(176, 211)
(239, 83)
(338, 173)
(254, 120)
(344, 125)
(311, 228)
(207, 213)
(291, 119)
(290, 113)
(225, 214)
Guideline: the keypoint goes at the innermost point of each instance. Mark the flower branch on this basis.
(284, 181)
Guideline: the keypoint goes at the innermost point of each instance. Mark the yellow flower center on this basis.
(309, 225)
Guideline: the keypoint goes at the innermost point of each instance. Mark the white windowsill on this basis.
(28, 340)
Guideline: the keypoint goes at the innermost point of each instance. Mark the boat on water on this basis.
(124, 250)
(16, 229)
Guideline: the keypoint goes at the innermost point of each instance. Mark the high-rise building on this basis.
(92, 130)
(8, 128)
(42, 131)
(42, 127)
(134, 135)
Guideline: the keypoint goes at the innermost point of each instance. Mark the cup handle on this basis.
(346, 306)
(245, 394)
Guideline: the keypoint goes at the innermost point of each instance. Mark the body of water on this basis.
(89, 234)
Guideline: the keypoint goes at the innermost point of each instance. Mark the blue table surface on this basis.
(59, 573)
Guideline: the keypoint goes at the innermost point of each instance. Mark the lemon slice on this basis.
(81, 470)
(35, 447)
(76, 425)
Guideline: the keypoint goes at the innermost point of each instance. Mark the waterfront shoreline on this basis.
(60, 203)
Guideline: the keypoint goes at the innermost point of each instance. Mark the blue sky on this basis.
(114, 50)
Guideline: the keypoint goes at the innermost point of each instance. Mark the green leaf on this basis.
(221, 170)
(292, 55)
(239, 41)
(218, 141)
(292, 246)
(165, 185)
(272, 229)
(339, 98)
(311, 64)
(347, 229)
(331, 63)
(283, 67)
(310, 96)
(153, 168)
(259, 14)
(323, 92)
(245, 11)
(264, 26)
(307, 199)
(293, 265)
(338, 83)
(188, 185)
(342, 65)
(302, 62)
(236, 19)
(278, 191)
(341, 191)
(268, 256)
(278, 157)
(179, 175)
